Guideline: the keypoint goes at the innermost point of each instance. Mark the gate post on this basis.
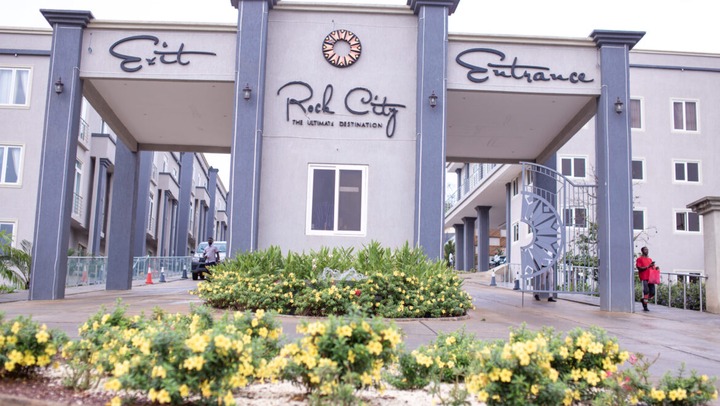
(709, 208)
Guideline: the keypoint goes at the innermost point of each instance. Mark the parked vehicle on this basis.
(198, 260)
(497, 261)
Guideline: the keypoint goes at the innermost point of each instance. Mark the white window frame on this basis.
(515, 187)
(644, 172)
(364, 169)
(678, 211)
(13, 90)
(13, 235)
(644, 215)
(151, 214)
(154, 174)
(642, 113)
(684, 130)
(516, 232)
(686, 181)
(573, 158)
(3, 169)
(572, 211)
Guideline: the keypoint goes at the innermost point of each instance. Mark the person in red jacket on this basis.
(645, 265)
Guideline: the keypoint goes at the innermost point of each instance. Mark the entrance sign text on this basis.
(166, 57)
(514, 70)
(359, 101)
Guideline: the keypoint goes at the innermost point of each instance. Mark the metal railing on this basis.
(77, 205)
(470, 184)
(86, 271)
(84, 135)
(685, 279)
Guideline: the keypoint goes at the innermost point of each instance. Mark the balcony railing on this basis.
(469, 185)
(77, 205)
(84, 135)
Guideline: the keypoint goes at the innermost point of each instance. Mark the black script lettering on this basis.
(530, 73)
(130, 59)
(379, 108)
(323, 107)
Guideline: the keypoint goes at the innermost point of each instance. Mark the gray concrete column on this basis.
(212, 191)
(57, 160)
(483, 233)
(163, 200)
(430, 123)
(183, 223)
(459, 247)
(121, 236)
(709, 208)
(613, 154)
(97, 214)
(249, 123)
(469, 238)
(508, 222)
(458, 172)
(143, 193)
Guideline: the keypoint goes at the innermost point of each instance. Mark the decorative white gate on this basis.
(561, 215)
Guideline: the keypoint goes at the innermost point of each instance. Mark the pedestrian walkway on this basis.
(674, 335)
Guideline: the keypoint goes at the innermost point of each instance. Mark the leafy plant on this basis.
(26, 346)
(15, 264)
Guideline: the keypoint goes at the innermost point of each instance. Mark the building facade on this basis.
(24, 66)
(673, 118)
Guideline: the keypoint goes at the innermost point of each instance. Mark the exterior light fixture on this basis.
(247, 91)
(59, 86)
(618, 106)
(433, 99)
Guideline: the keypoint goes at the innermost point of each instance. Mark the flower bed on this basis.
(394, 284)
(204, 359)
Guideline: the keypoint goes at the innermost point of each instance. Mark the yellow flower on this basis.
(254, 323)
(505, 375)
(184, 390)
(16, 327)
(351, 356)
(113, 384)
(195, 362)
(197, 342)
(534, 389)
(223, 342)
(205, 389)
(344, 331)
(658, 395)
(483, 396)
(229, 399)
(121, 369)
(579, 354)
(42, 336)
(116, 401)
(374, 347)
(677, 394)
(450, 340)
(259, 314)
(159, 371)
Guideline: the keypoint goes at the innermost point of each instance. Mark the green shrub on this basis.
(26, 346)
(692, 294)
(173, 358)
(399, 283)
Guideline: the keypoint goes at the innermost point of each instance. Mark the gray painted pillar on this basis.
(613, 154)
(143, 193)
(508, 222)
(173, 226)
(212, 191)
(121, 236)
(163, 200)
(51, 235)
(183, 215)
(459, 247)
(458, 172)
(709, 208)
(469, 239)
(483, 232)
(100, 193)
(430, 123)
(248, 126)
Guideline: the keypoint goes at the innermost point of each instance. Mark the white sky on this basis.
(690, 25)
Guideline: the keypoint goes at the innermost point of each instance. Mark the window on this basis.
(638, 169)
(687, 221)
(165, 163)
(154, 174)
(10, 160)
(8, 229)
(638, 220)
(516, 232)
(151, 212)
(572, 167)
(337, 199)
(576, 217)
(685, 117)
(636, 116)
(514, 187)
(77, 198)
(688, 172)
(14, 84)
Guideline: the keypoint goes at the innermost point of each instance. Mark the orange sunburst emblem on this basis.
(341, 61)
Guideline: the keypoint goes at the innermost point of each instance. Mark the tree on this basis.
(15, 264)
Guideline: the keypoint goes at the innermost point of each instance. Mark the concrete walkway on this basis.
(676, 336)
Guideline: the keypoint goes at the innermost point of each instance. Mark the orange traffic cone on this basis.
(148, 280)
